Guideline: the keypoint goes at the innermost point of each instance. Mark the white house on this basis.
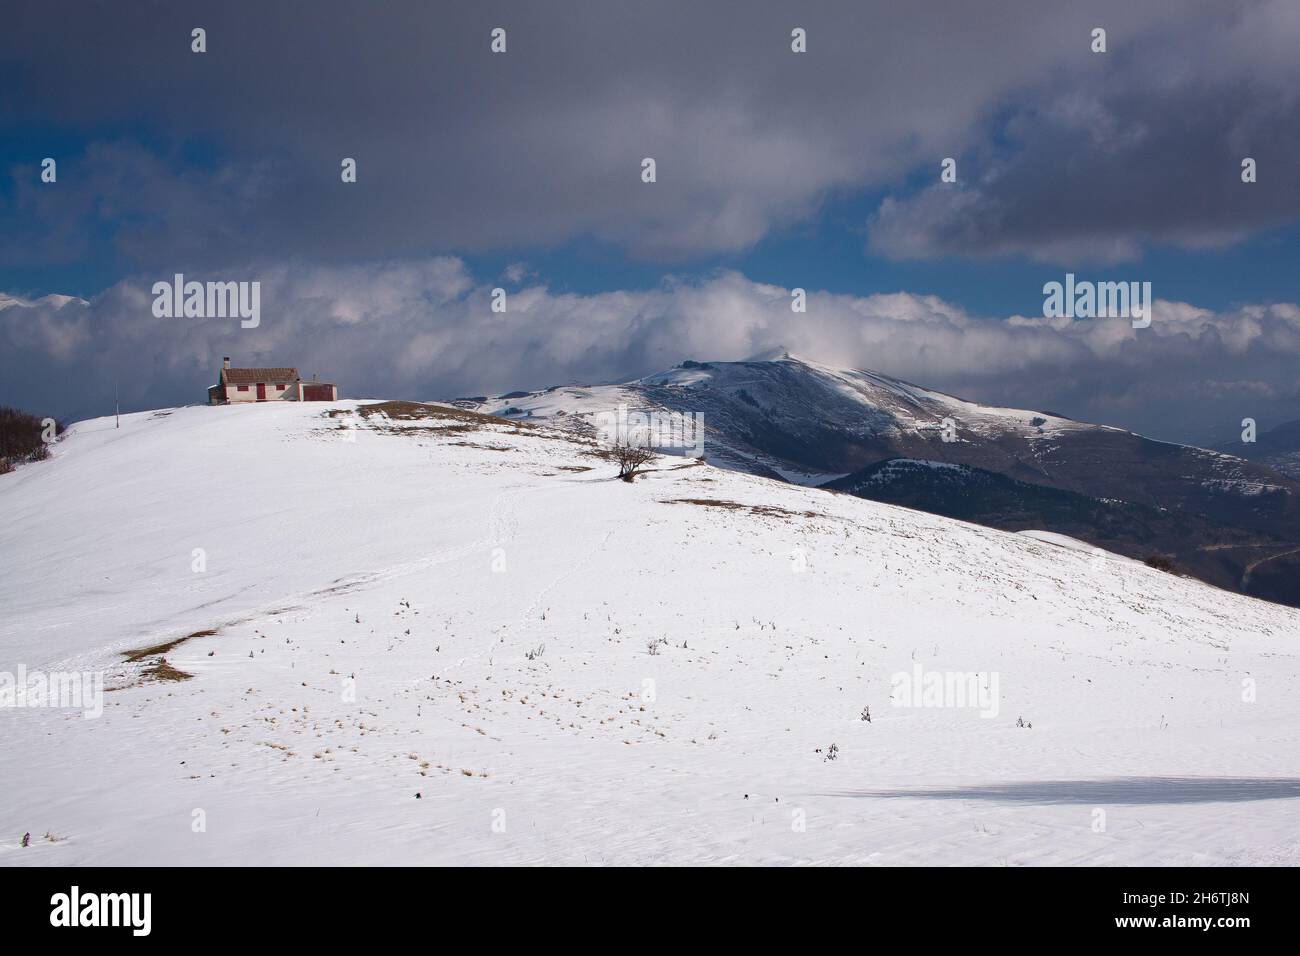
(267, 385)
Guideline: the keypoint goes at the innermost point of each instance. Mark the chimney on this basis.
(225, 362)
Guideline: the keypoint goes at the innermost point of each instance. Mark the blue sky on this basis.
(828, 253)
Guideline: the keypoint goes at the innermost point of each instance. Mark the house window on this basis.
(243, 388)
(279, 387)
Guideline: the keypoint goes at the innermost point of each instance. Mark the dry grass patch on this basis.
(163, 671)
(470, 444)
(707, 502)
(771, 510)
(157, 650)
(419, 411)
(442, 419)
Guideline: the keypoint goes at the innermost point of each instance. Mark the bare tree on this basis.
(630, 457)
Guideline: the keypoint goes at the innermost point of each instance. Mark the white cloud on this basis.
(424, 329)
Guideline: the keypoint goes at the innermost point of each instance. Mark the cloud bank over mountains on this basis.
(425, 329)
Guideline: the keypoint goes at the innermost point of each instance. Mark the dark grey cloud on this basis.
(1142, 146)
(234, 155)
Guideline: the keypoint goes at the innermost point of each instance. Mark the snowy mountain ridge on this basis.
(799, 391)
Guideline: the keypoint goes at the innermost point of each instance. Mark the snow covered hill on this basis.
(782, 416)
(409, 634)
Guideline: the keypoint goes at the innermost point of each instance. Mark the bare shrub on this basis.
(630, 456)
(22, 438)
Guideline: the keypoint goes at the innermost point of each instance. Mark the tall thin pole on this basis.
(117, 406)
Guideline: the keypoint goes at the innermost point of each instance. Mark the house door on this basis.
(261, 392)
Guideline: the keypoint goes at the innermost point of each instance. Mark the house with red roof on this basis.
(267, 385)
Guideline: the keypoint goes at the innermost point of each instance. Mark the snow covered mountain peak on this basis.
(777, 353)
(779, 414)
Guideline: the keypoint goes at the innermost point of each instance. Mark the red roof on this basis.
(253, 376)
